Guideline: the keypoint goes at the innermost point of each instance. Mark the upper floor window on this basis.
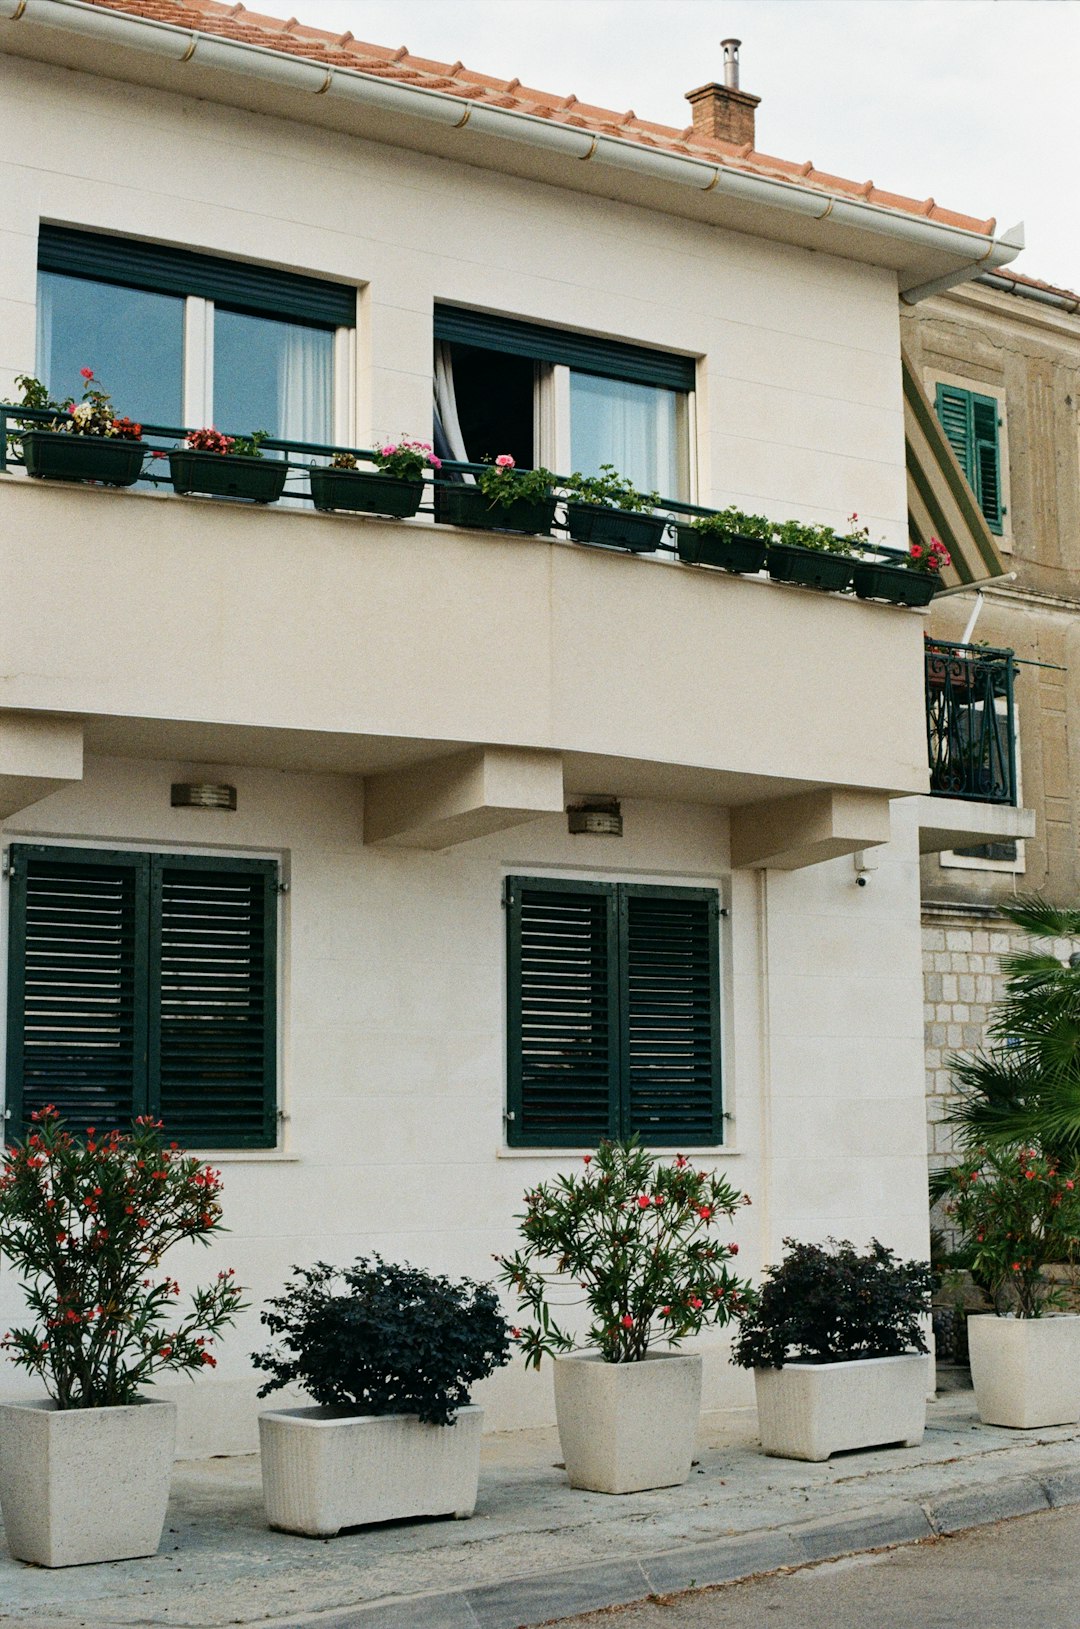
(971, 422)
(179, 338)
(613, 1013)
(143, 984)
(566, 400)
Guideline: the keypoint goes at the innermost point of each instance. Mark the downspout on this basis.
(185, 45)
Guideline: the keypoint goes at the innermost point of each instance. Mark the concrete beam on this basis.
(437, 804)
(956, 823)
(37, 756)
(789, 833)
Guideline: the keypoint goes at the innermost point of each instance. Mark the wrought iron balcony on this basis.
(970, 724)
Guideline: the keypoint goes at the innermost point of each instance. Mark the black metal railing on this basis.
(970, 722)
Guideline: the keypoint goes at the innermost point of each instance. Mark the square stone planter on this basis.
(812, 1410)
(628, 1426)
(84, 1484)
(324, 1469)
(1026, 1371)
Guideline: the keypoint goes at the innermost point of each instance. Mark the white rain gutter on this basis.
(184, 45)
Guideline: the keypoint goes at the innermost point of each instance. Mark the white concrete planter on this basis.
(628, 1426)
(1026, 1371)
(84, 1484)
(323, 1469)
(812, 1410)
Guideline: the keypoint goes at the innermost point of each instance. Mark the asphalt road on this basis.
(1022, 1574)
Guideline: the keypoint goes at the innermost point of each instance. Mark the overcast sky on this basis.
(972, 102)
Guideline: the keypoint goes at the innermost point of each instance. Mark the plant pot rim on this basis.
(593, 1356)
(612, 509)
(1011, 1317)
(49, 1405)
(321, 1416)
(227, 458)
(831, 1365)
(78, 440)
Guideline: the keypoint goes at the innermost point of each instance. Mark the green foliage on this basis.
(249, 446)
(397, 1341)
(611, 490)
(831, 1303)
(92, 416)
(635, 1236)
(797, 534)
(402, 460)
(85, 1223)
(503, 484)
(1016, 1211)
(1024, 1088)
(734, 522)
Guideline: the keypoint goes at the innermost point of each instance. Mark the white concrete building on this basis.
(237, 223)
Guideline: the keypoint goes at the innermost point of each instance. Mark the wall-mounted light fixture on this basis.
(600, 817)
(202, 795)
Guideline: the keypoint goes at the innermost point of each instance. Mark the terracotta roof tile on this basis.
(236, 22)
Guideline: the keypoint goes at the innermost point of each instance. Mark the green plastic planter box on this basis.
(729, 550)
(897, 584)
(614, 528)
(222, 475)
(810, 568)
(461, 505)
(365, 493)
(54, 456)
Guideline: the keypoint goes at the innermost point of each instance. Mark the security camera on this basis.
(860, 882)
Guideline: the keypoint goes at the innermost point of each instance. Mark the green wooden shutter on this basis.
(563, 1031)
(986, 459)
(213, 1000)
(669, 948)
(77, 986)
(970, 423)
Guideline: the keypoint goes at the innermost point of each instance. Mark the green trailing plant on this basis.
(610, 490)
(831, 1303)
(1016, 1211)
(734, 523)
(1024, 1087)
(633, 1239)
(85, 1222)
(503, 484)
(798, 534)
(382, 1338)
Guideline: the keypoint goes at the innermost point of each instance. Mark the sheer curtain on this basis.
(640, 429)
(305, 383)
(447, 425)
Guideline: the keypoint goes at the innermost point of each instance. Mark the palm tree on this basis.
(1025, 1086)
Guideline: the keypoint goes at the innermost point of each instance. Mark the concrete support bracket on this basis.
(957, 823)
(450, 800)
(786, 834)
(37, 756)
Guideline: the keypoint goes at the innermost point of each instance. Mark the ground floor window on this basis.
(613, 1013)
(143, 984)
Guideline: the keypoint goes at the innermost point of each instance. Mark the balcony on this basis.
(970, 725)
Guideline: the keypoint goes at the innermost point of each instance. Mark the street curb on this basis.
(543, 1598)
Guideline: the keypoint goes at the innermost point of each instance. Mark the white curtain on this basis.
(637, 428)
(43, 361)
(305, 383)
(446, 402)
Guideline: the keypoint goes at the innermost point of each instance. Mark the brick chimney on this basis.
(724, 112)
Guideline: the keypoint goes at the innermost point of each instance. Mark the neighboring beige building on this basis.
(260, 224)
(1015, 343)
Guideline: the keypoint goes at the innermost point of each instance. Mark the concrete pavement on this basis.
(537, 1550)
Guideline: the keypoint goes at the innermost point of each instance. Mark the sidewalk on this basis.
(537, 1550)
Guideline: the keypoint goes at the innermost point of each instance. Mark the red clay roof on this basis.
(1021, 283)
(236, 22)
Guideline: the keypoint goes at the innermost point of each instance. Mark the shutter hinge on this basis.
(8, 870)
(724, 911)
(281, 887)
(508, 1116)
(507, 899)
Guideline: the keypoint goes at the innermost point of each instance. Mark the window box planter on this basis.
(614, 528)
(1026, 1371)
(896, 584)
(84, 1484)
(812, 1410)
(324, 1469)
(810, 568)
(365, 493)
(730, 550)
(52, 455)
(222, 475)
(462, 505)
(628, 1426)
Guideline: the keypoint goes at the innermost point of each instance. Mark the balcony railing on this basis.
(970, 724)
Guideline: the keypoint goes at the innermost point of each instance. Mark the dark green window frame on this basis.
(586, 353)
(613, 1013)
(144, 983)
(971, 423)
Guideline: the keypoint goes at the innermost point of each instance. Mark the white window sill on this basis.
(718, 1151)
(244, 1156)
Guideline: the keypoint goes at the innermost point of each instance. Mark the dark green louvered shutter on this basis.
(76, 986)
(669, 941)
(563, 1028)
(212, 1004)
(970, 423)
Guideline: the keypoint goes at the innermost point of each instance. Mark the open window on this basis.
(566, 400)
